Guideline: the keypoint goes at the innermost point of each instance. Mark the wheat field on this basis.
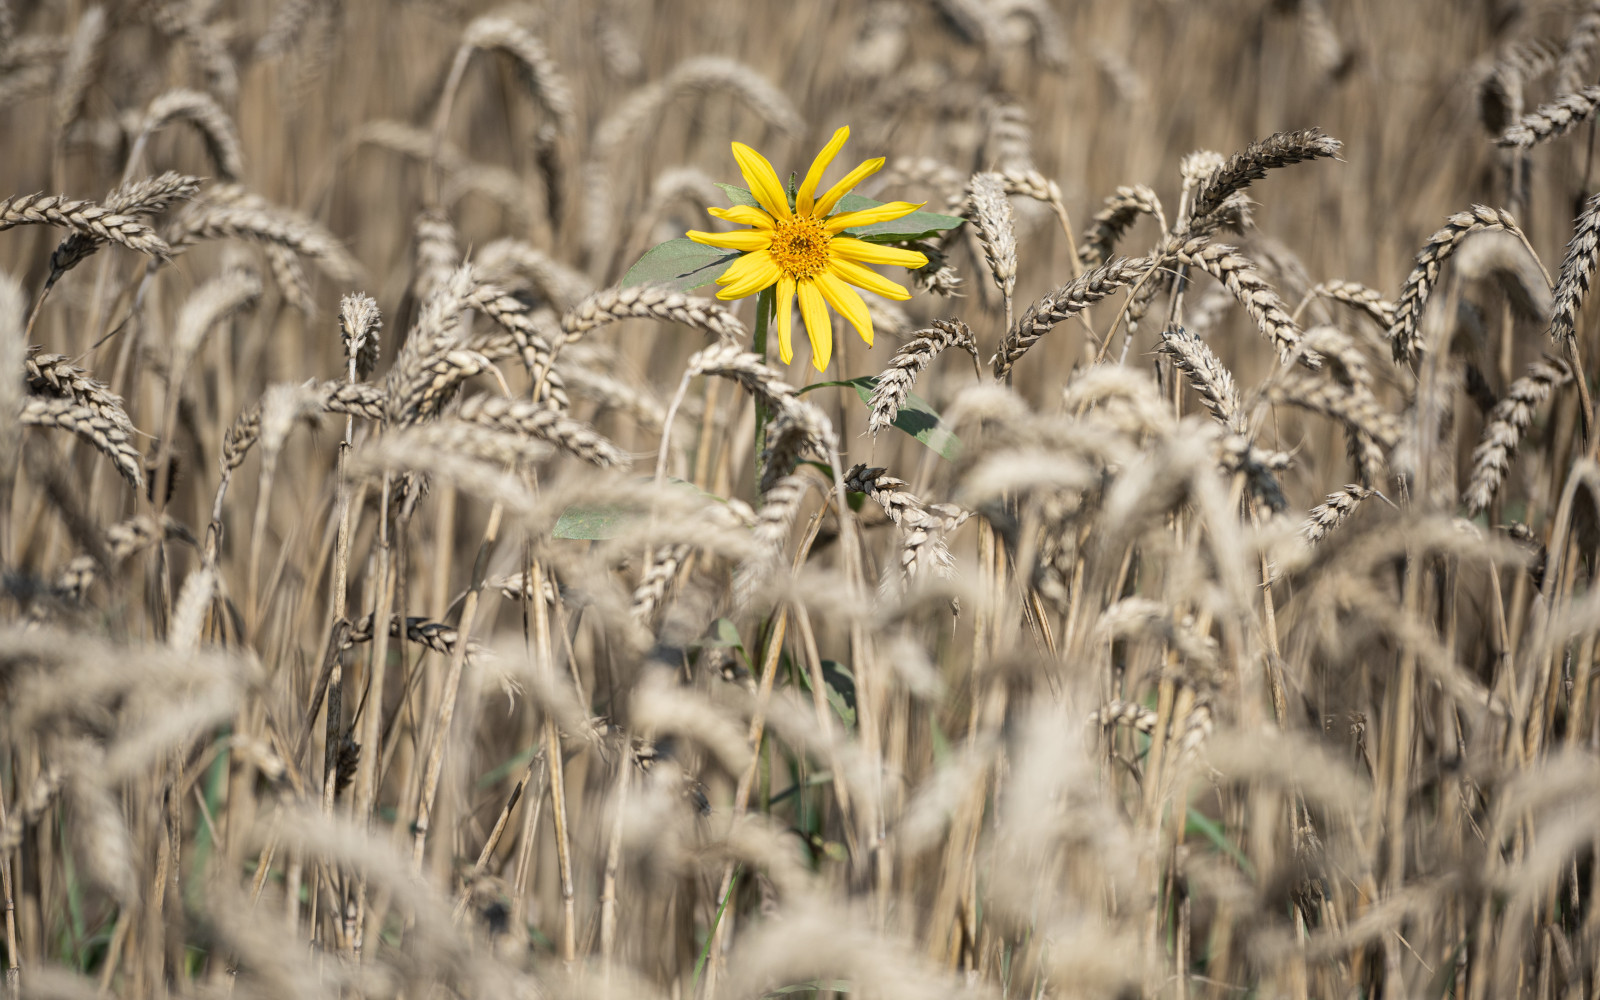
(1191, 593)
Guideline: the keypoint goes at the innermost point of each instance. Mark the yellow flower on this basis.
(800, 249)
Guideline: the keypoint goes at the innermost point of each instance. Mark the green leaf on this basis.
(916, 417)
(814, 986)
(739, 196)
(681, 265)
(1205, 826)
(919, 225)
(592, 522)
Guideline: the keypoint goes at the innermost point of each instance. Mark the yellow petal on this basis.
(743, 239)
(763, 181)
(814, 310)
(785, 318)
(846, 303)
(863, 252)
(826, 202)
(872, 281)
(869, 216)
(748, 275)
(806, 196)
(744, 215)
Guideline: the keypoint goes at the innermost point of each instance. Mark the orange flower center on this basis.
(800, 246)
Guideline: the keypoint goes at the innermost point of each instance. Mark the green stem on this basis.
(711, 932)
(766, 306)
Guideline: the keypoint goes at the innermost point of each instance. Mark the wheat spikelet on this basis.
(697, 76)
(1061, 304)
(1210, 380)
(360, 329)
(506, 261)
(79, 67)
(433, 361)
(1404, 332)
(109, 437)
(1359, 297)
(1573, 66)
(894, 384)
(1241, 278)
(436, 636)
(656, 579)
(213, 124)
(1325, 517)
(230, 212)
(544, 81)
(1577, 268)
(498, 444)
(1124, 713)
(438, 254)
(749, 370)
(185, 21)
(881, 43)
(798, 429)
(25, 82)
(613, 305)
(289, 278)
(534, 334)
(83, 217)
(1280, 149)
(14, 361)
(990, 212)
(923, 527)
(1356, 408)
(1551, 121)
(1139, 617)
(1120, 211)
(359, 399)
(210, 304)
(573, 436)
(1008, 140)
(54, 375)
(143, 197)
(634, 400)
(1507, 422)
(773, 522)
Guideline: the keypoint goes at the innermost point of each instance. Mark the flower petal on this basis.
(863, 252)
(826, 202)
(819, 327)
(743, 239)
(744, 215)
(748, 275)
(846, 303)
(869, 216)
(785, 318)
(806, 196)
(872, 281)
(763, 181)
